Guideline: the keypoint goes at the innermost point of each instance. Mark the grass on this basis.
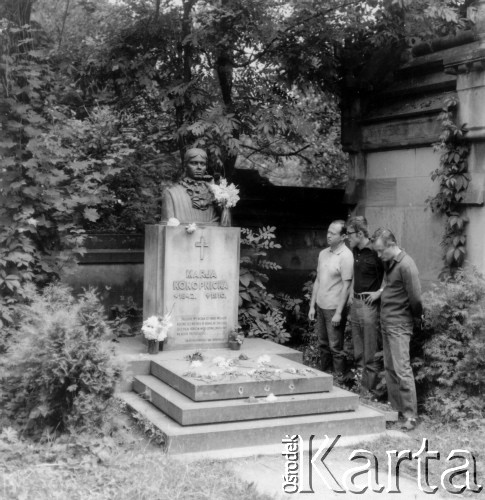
(126, 465)
(441, 437)
(122, 467)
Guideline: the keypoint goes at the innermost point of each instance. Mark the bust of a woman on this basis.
(191, 200)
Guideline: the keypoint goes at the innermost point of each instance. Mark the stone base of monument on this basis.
(232, 399)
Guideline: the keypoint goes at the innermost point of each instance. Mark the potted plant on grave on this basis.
(236, 340)
(155, 330)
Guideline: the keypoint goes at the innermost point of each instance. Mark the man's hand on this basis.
(371, 296)
(337, 317)
(418, 323)
(311, 313)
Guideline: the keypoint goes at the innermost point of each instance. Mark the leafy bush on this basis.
(262, 314)
(53, 167)
(452, 368)
(58, 372)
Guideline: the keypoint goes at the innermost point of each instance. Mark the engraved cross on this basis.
(202, 244)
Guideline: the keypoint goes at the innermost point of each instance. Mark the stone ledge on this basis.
(187, 412)
(207, 437)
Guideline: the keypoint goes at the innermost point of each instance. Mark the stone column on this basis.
(476, 14)
(469, 68)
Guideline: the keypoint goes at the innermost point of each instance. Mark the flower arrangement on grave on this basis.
(226, 196)
(264, 359)
(196, 356)
(236, 340)
(155, 329)
(223, 362)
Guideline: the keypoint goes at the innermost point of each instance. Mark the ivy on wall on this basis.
(454, 179)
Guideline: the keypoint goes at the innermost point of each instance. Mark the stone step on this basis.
(187, 412)
(214, 379)
(200, 438)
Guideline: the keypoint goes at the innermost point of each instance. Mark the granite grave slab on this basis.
(187, 412)
(230, 377)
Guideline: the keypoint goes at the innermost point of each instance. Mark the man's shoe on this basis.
(409, 424)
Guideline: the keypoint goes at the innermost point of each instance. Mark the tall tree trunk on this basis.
(157, 10)
(225, 72)
(17, 11)
(64, 18)
(186, 52)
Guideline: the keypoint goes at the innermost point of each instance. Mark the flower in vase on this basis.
(156, 327)
(226, 195)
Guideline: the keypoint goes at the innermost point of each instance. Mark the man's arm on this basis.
(412, 286)
(347, 274)
(373, 296)
(311, 312)
(343, 298)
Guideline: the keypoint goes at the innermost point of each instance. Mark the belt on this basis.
(360, 296)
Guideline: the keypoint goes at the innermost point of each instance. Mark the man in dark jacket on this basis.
(401, 308)
(365, 297)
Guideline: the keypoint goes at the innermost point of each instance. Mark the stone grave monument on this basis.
(201, 395)
(195, 277)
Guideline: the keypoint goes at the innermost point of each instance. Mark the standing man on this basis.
(367, 290)
(400, 308)
(329, 298)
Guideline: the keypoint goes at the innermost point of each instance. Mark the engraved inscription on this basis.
(204, 280)
(201, 328)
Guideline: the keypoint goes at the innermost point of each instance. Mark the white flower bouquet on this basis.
(226, 195)
(191, 228)
(173, 221)
(156, 327)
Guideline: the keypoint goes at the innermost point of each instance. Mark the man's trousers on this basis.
(365, 337)
(401, 388)
(330, 341)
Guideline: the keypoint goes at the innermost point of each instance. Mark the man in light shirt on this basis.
(329, 298)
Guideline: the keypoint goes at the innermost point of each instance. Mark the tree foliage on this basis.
(453, 180)
(58, 372)
(452, 367)
(98, 99)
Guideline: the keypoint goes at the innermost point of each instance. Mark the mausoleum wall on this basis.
(390, 135)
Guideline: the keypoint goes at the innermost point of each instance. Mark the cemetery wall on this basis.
(115, 263)
(389, 135)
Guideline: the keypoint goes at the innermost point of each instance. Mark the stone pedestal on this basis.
(195, 276)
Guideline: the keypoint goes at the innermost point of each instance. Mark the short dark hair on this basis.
(359, 223)
(343, 229)
(386, 235)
